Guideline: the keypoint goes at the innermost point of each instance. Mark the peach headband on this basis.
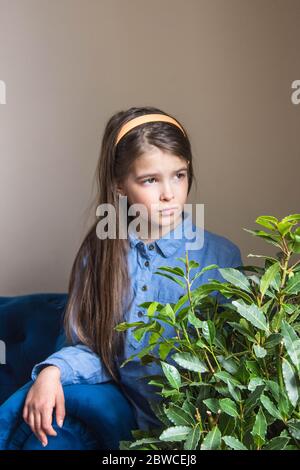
(141, 120)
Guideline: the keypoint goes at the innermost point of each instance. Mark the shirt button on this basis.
(144, 287)
(140, 313)
(151, 247)
(147, 263)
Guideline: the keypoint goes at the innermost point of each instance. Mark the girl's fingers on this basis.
(32, 422)
(60, 410)
(25, 413)
(46, 422)
(39, 432)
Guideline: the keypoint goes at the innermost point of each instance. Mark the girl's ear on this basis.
(120, 189)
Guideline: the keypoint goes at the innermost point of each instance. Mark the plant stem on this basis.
(216, 361)
(209, 363)
(169, 342)
(279, 369)
(294, 265)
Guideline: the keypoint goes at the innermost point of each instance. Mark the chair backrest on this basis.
(31, 328)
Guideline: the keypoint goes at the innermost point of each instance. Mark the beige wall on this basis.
(224, 68)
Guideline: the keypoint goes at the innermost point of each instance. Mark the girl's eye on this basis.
(148, 179)
(179, 175)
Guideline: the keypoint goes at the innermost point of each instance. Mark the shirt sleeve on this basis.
(77, 364)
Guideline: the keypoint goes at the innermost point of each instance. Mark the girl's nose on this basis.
(167, 192)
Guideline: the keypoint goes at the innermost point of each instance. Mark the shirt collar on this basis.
(172, 240)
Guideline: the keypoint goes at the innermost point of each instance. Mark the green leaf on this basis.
(139, 331)
(274, 388)
(277, 443)
(277, 319)
(241, 329)
(229, 364)
(193, 264)
(291, 342)
(175, 270)
(292, 218)
(152, 309)
(195, 321)
(212, 404)
(284, 404)
(209, 331)
(273, 340)
(254, 382)
(174, 279)
(267, 221)
(252, 313)
(235, 277)
(253, 368)
(169, 312)
(201, 344)
(213, 440)
(179, 416)
(268, 277)
(290, 382)
(259, 351)
(294, 428)
(252, 400)
(224, 376)
(146, 440)
(293, 285)
(296, 246)
(171, 374)
(229, 407)
(275, 283)
(125, 326)
(236, 394)
(183, 299)
(164, 349)
(192, 439)
(273, 239)
(207, 268)
(284, 228)
(260, 426)
(190, 362)
(233, 443)
(175, 433)
(270, 407)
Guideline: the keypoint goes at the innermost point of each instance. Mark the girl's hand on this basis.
(45, 394)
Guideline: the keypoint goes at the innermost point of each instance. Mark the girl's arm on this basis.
(77, 364)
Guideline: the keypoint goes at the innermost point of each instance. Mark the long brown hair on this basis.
(100, 289)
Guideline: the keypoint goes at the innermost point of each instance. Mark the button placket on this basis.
(143, 285)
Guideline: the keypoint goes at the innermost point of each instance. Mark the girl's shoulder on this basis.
(215, 245)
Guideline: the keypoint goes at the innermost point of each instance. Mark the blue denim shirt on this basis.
(78, 364)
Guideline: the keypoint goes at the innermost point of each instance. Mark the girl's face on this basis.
(158, 180)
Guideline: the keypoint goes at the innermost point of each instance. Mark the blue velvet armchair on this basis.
(31, 329)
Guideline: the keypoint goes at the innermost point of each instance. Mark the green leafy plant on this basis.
(234, 381)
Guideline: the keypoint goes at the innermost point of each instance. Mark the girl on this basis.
(146, 158)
